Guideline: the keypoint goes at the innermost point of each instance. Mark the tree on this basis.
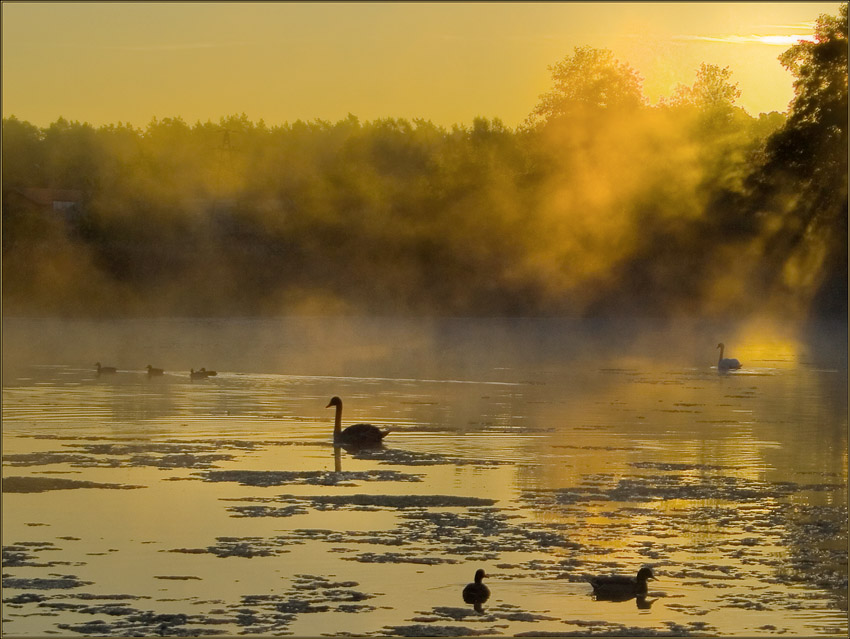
(800, 189)
(712, 89)
(589, 79)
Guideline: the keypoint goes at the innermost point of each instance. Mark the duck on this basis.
(621, 587)
(208, 373)
(152, 372)
(476, 593)
(193, 374)
(357, 435)
(105, 370)
(728, 363)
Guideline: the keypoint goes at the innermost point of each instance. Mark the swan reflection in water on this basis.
(337, 459)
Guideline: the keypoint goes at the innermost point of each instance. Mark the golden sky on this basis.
(446, 62)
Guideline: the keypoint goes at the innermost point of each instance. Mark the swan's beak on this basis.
(329, 405)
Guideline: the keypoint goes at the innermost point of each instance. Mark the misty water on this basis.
(539, 450)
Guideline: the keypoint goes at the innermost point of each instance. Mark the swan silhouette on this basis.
(105, 370)
(476, 593)
(728, 363)
(357, 435)
(621, 587)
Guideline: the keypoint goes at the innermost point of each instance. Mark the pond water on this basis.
(542, 451)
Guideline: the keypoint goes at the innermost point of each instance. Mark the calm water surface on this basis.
(539, 450)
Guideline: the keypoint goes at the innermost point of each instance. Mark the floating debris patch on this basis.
(314, 478)
(246, 547)
(58, 582)
(413, 557)
(364, 501)
(665, 487)
(401, 457)
(428, 630)
(22, 554)
(43, 484)
(501, 612)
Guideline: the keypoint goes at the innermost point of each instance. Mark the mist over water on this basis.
(407, 347)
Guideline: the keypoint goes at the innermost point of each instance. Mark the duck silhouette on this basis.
(154, 372)
(356, 435)
(621, 587)
(476, 593)
(105, 370)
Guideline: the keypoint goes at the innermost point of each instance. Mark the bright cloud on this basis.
(780, 40)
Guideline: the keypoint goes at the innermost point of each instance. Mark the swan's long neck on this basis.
(338, 420)
(720, 359)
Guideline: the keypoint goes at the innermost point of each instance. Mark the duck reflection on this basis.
(476, 593)
(641, 600)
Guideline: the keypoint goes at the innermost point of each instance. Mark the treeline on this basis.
(598, 204)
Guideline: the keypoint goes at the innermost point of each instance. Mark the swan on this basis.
(154, 371)
(105, 370)
(476, 593)
(728, 363)
(621, 586)
(356, 435)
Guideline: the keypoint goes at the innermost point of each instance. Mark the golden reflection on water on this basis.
(624, 462)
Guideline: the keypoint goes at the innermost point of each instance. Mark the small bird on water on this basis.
(105, 370)
(357, 435)
(153, 372)
(476, 593)
(621, 586)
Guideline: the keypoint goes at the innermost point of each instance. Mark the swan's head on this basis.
(335, 401)
(479, 575)
(720, 345)
(645, 573)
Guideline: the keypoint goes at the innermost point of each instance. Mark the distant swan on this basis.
(105, 370)
(356, 435)
(621, 586)
(476, 593)
(152, 372)
(725, 364)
